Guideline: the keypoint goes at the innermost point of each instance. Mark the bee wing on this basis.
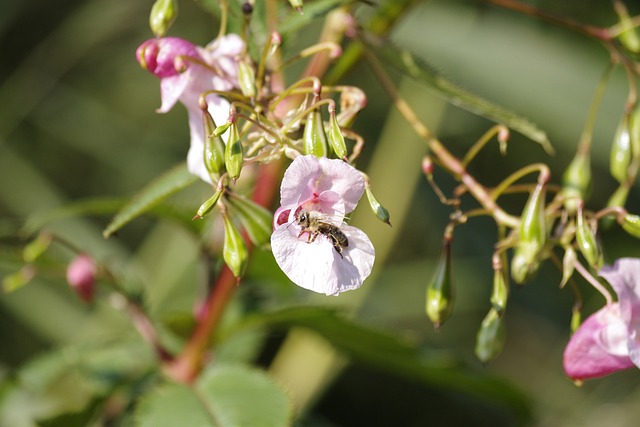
(330, 219)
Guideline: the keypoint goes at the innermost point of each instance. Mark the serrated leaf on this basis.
(158, 190)
(409, 64)
(225, 396)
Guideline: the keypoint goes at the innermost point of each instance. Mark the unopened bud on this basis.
(380, 211)
(234, 252)
(503, 138)
(621, 151)
(587, 242)
(163, 14)
(246, 79)
(336, 139)
(427, 166)
(233, 153)
(255, 219)
(440, 291)
(313, 136)
(568, 264)
(208, 206)
(491, 336)
(81, 276)
(576, 180)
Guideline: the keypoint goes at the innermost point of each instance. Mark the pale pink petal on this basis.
(171, 88)
(317, 266)
(624, 277)
(598, 347)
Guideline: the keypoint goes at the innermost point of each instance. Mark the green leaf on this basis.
(255, 219)
(224, 396)
(456, 95)
(158, 190)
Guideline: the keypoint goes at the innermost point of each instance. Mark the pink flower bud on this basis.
(81, 276)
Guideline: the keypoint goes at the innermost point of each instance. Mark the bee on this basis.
(311, 223)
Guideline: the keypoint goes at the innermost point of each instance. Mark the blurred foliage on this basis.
(78, 128)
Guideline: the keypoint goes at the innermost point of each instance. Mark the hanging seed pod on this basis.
(533, 236)
(213, 148)
(313, 136)
(34, 249)
(336, 139)
(234, 251)
(440, 291)
(568, 264)
(576, 181)
(500, 293)
(255, 219)
(631, 225)
(587, 242)
(629, 35)
(246, 79)
(621, 151)
(491, 336)
(163, 14)
(380, 211)
(233, 153)
(208, 206)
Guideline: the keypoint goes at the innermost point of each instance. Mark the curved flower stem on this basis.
(593, 281)
(450, 162)
(480, 144)
(506, 183)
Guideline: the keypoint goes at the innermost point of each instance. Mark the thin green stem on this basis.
(508, 181)
(480, 144)
(584, 145)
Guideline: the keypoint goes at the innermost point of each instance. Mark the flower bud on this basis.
(500, 292)
(631, 225)
(213, 148)
(491, 336)
(568, 265)
(34, 249)
(313, 136)
(336, 139)
(246, 79)
(576, 180)
(621, 151)
(440, 291)
(81, 276)
(587, 243)
(208, 206)
(255, 219)
(380, 211)
(163, 14)
(233, 153)
(234, 252)
(533, 236)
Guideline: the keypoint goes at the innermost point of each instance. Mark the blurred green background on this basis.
(77, 121)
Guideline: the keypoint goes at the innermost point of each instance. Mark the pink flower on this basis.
(609, 340)
(186, 71)
(311, 242)
(81, 276)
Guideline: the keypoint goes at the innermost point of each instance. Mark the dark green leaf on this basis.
(158, 190)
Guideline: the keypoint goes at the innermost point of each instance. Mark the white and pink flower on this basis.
(330, 189)
(186, 71)
(609, 340)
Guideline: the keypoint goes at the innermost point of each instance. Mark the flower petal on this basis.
(624, 277)
(598, 348)
(317, 266)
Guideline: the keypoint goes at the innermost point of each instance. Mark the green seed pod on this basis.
(213, 147)
(233, 153)
(500, 293)
(568, 265)
(629, 35)
(314, 138)
(576, 319)
(533, 236)
(631, 225)
(208, 206)
(576, 181)
(34, 249)
(246, 79)
(336, 139)
(617, 199)
(587, 243)
(440, 291)
(296, 4)
(234, 252)
(20, 278)
(380, 211)
(255, 219)
(491, 336)
(163, 14)
(621, 151)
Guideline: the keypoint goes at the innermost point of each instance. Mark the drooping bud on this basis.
(587, 242)
(380, 211)
(500, 293)
(427, 166)
(246, 79)
(81, 276)
(576, 180)
(163, 14)
(491, 336)
(503, 137)
(233, 153)
(234, 252)
(621, 151)
(631, 225)
(336, 139)
(313, 136)
(34, 249)
(533, 236)
(255, 219)
(213, 148)
(208, 206)
(440, 291)
(568, 264)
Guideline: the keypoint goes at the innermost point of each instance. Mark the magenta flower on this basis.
(186, 71)
(311, 242)
(609, 340)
